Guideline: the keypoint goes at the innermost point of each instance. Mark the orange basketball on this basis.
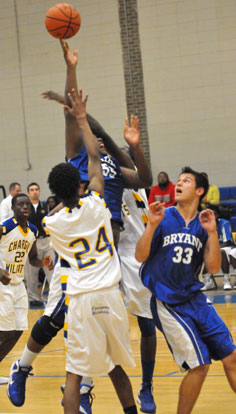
(62, 21)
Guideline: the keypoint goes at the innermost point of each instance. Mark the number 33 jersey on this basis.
(83, 238)
(15, 246)
(176, 257)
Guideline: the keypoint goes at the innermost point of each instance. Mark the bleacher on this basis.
(228, 197)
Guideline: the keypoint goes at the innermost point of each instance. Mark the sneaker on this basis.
(16, 385)
(227, 285)
(145, 399)
(86, 398)
(210, 285)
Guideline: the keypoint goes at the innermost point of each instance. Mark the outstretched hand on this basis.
(208, 220)
(78, 108)
(53, 96)
(70, 58)
(131, 131)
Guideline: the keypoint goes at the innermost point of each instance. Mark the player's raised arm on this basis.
(143, 176)
(78, 111)
(74, 141)
(71, 60)
(155, 216)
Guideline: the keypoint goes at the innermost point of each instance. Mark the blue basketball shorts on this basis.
(194, 332)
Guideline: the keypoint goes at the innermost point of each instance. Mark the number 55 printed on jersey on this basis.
(103, 244)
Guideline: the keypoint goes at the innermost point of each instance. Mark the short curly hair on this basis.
(15, 198)
(64, 181)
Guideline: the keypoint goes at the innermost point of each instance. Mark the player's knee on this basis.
(201, 370)
(147, 326)
(229, 362)
(44, 330)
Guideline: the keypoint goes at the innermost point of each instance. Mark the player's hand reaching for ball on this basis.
(70, 58)
(156, 213)
(208, 220)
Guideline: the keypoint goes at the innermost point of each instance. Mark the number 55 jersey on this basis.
(83, 238)
(176, 257)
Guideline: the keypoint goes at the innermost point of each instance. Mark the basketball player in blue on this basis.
(174, 245)
(116, 177)
(17, 242)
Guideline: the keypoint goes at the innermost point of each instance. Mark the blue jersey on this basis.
(113, 180)
(176, 256)
(224, 231)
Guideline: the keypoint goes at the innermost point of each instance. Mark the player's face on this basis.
(22, 207)
(34, 193)
(101, 146)
(185, 189)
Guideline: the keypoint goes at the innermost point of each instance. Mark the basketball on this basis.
(62, 21)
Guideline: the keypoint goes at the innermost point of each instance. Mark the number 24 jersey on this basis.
(83, 237)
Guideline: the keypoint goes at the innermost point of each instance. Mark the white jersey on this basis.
(15, 246)
(135, 211)
(135, 216)
(83, 238)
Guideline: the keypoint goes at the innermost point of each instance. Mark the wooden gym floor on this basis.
(43, 393)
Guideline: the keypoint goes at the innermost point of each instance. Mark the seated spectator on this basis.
(5, 210)
(226, 246)
(164, 191)
(52, 202)
(213, 195)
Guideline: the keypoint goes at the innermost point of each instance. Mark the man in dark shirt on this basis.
(38, 211)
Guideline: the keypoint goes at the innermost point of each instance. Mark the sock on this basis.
(226, 276)
(131, 410)
(27, 358)
(147, 369)
(86, 384)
